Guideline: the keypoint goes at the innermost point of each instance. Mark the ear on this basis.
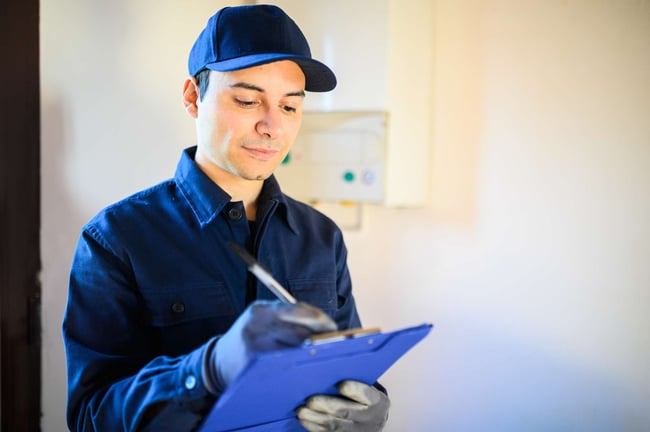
(191, 96)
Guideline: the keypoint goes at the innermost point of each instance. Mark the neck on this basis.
(238, 188)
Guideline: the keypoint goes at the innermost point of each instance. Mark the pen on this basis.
(262, 274)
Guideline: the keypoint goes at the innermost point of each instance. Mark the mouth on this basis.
(261, 153)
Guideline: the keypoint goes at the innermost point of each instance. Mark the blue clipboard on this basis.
(265, 395)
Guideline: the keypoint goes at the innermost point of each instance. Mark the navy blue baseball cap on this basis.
(244, 36)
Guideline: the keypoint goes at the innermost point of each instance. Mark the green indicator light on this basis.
(348, 176)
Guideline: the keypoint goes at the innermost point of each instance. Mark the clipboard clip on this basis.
(340, 335)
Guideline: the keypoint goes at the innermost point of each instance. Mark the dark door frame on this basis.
(20, 262)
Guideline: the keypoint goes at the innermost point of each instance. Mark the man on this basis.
(161, 316)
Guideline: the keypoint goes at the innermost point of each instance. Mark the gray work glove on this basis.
(264, 326)
(362, 409)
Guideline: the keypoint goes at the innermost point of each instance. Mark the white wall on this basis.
(532, 256)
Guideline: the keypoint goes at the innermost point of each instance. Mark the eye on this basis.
(289, 109)
(246, 103)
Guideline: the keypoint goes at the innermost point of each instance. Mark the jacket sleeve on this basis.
(116, 382)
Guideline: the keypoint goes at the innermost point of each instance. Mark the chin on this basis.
(256, 177)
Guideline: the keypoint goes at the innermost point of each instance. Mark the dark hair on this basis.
(202, 79)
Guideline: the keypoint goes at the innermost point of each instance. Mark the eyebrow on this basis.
(248, 86)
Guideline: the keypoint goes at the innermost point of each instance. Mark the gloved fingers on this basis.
(264, 312)
(312, 427)
(277, 335)
(344, 414)
(305, 315)
(271, 324)
(316, 421)
(335, 406)
(261, 315)
(361, 392)
(377, 403)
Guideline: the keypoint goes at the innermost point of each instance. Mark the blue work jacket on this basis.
(152, 282)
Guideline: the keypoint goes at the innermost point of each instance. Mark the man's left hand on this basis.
(362, 409)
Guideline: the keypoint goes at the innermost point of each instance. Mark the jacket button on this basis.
(234, 213)
(178, 308)
(190, 382)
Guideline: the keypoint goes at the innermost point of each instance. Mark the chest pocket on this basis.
(186, 317)
(319, 293)
(169, 307)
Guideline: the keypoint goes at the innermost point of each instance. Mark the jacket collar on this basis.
(207, 199)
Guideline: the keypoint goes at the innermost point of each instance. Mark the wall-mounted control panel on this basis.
(337, 156)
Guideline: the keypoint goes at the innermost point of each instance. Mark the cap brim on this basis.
(318, 77)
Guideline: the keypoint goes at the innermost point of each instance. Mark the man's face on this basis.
(248, 119)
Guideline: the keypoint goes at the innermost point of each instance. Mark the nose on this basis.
(270, 125)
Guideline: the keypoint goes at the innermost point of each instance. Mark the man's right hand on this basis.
(264, 326)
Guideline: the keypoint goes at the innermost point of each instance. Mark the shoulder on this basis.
(312, 225)
(303, 213)
(136, 209)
